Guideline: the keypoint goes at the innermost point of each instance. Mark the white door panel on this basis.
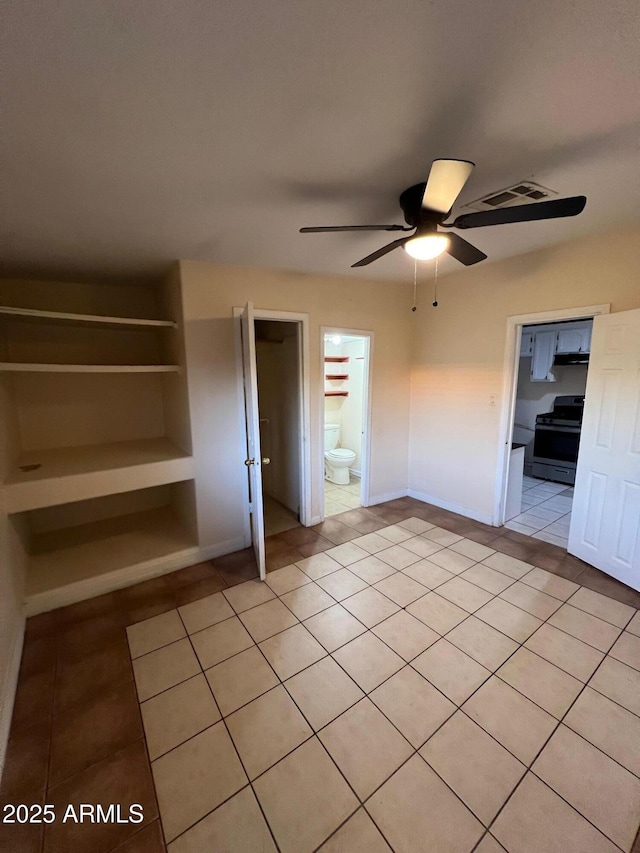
(254, 458)
(605, 523)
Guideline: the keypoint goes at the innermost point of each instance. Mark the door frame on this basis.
(305, 408)
(511, 366)
(365, 451)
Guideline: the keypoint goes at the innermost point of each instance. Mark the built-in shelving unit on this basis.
(336, 393)
(103, 555)
(336, 377)
(17, 367)
(336, 359)
(54, 476)
(92, 319)
(98, 477)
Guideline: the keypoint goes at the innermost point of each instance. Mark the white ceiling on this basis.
(140, 131)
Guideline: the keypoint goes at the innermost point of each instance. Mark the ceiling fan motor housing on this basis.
(414, 213)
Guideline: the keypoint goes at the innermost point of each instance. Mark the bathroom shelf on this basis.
(336, 393)
(91, 319)
(22, 367)
(337, 376)
(336, 359)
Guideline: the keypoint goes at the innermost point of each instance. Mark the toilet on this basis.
(337, 460)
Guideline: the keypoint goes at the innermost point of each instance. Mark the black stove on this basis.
(567, 411)
(557, 439)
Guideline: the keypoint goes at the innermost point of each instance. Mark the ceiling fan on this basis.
(427, 205)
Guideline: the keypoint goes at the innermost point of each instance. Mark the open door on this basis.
(254, 458)
(605, 523)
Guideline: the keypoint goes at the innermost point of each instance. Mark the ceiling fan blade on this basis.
(463, 251)
(320, 228)
(444, 184)
(523, 213)
(381, 252)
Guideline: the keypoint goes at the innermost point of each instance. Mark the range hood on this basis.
(571, 358)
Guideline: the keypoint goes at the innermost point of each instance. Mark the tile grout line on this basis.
(544, 745)
(494, 595)
(244, 769)
(414, 749)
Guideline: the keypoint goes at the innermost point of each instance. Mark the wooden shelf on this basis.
(74, 319)
(336, 359)
(67, 474)
(78, 562)
(336, 393)
(22, 367)
(337, 377)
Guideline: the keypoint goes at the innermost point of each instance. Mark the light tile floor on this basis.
(341, 498)
(546, 511)
(459, 701)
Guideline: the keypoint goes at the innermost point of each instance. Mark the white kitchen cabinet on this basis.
(544, 350)
(577, 339)
(526, 344)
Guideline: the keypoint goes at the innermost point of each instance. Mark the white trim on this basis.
(511, 364)
(389, 496)
(460, 510)
(9, 687)
(130, 575)
(365, 450)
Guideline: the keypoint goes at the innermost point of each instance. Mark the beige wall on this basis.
(210, 292)
(459, 348)
(352, 414)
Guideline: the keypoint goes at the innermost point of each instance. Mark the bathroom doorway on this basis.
(346, 358)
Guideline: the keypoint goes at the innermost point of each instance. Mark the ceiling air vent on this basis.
(525, 192)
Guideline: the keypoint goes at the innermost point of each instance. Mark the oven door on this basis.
(556, 444)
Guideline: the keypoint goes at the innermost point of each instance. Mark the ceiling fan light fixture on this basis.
(426, 247)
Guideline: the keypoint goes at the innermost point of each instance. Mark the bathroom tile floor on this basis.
(405, 680)
(339, 499)
(546, 511)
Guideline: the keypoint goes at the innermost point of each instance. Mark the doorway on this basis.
(551, 385)
(279, 402)
(290, 413)
(346, 358)
(545, 381)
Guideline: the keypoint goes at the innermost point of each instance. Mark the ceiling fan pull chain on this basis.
(415, 277)
(435, 287)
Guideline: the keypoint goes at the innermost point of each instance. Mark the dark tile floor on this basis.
(76, 734)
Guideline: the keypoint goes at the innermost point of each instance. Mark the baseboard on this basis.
(460, 510)
(8, 693)
(111, 581)
(355, 473)
(390, 496)
(219, 550)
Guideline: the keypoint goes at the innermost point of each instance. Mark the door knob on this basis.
(248, 462)
(265, 460)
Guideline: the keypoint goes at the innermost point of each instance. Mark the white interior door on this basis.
(605, 522)
(254, 459)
